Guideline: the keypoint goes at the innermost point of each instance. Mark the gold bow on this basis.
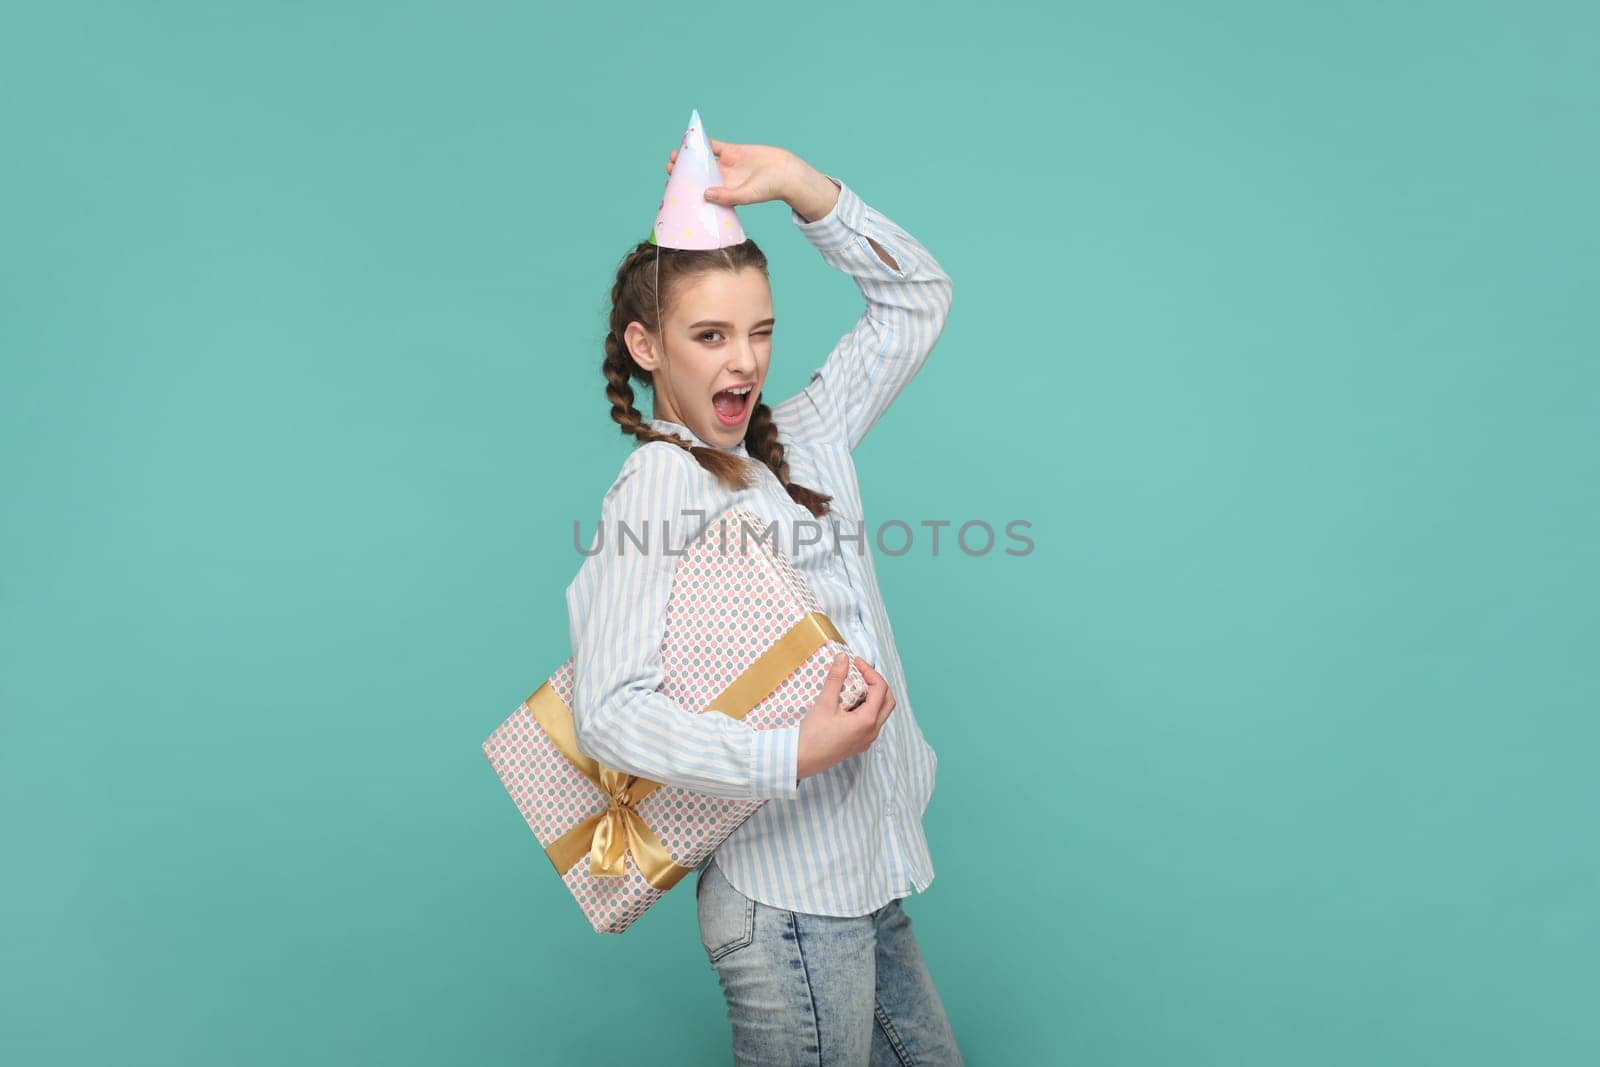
(608, 835)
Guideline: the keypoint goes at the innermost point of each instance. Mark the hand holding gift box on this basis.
(744, 638)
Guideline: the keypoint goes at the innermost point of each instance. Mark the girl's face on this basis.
(718, 337)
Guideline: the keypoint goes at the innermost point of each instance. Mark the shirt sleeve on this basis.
(905, 314)
(617, 613)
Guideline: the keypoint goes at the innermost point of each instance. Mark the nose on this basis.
(742, 357)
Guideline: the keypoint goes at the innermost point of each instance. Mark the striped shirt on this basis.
(849, 839)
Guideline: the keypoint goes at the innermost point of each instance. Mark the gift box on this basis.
(744, 637)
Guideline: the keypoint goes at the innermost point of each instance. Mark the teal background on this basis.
(1279, 325)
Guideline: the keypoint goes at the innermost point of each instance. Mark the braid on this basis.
(635, 298)
(761, 441)
(620, 393)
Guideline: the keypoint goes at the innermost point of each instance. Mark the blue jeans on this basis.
(819, 990)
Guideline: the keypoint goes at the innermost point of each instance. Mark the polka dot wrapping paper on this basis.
(734, 596)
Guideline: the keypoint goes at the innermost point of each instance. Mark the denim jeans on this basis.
(819, 990)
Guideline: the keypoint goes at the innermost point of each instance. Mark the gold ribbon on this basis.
(610, 834)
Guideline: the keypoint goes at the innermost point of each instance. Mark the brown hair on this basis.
(634, 298)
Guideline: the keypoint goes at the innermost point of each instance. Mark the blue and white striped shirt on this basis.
(848, 839)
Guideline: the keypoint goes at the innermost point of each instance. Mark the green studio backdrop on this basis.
(1276, 325)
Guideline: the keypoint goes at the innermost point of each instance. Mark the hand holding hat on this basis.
(707, 178)
(751, 173)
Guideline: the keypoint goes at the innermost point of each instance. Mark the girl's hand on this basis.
(831, 732)
(752, 172)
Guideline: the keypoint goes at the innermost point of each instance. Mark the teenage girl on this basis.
(799, 908)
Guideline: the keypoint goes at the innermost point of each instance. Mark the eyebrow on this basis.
(725, 325)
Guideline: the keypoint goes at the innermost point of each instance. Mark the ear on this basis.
(641, 345)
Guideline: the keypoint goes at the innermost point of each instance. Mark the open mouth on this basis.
(732, 404)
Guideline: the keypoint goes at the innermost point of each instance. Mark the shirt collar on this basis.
(680, 430)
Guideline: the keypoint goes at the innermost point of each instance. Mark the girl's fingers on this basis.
(875, 681)
(884, 709)
(730, 195)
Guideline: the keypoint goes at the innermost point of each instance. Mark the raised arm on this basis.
(616, 610)
(908, 300)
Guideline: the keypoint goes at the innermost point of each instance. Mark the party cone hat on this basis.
(686, 219)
